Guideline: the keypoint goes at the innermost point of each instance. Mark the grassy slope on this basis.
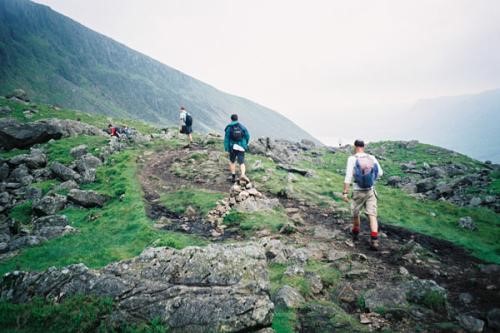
(395, 206)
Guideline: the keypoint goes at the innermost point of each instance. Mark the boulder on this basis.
(467, 223)
(35, 160)
(253, 204)
(470, 323)
(25, 241)
(218, 288)
(19, 94)
(385, 298)
(19, 173)
(419, 291)
(444, 190)
(64, 173)
(314, 281)
(14, 134)
(288, 297)
(426, 185)
(394, 181)
(493, 318)
(49, 204)
(4, 171)
(475, 201)
(50, 221)
(87, 199)
(78, 151)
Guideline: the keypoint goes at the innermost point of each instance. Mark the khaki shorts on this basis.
(366, 200)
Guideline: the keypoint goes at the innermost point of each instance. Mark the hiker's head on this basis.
(359, 145)
(109, 125)
(234, 117)
(181, 109)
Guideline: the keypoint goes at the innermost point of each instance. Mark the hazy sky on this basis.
(312, 59)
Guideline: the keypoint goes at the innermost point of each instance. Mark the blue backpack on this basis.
(365, 172)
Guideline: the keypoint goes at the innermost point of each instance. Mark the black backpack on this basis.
(189, 120)
(236, 133)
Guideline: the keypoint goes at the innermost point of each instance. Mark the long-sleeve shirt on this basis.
(351, 163)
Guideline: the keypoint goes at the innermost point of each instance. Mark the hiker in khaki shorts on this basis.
(364, 169)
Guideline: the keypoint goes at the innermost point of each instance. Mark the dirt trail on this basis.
(325, 230)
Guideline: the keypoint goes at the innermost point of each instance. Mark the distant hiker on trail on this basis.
(236, 143)
(113, 131)
(364, 169)
(186, 126)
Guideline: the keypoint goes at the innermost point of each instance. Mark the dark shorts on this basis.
(236, 154)
(186, 129)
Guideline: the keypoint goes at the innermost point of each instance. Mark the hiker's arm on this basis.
(380, 171)
(226, 140)
(348, 175)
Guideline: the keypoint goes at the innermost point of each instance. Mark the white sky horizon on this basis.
(314, 62)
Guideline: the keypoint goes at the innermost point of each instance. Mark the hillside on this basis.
(144, 235)
(468, 123)
(59, 61)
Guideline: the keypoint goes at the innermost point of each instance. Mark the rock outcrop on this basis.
(14, 134)
(221, 288)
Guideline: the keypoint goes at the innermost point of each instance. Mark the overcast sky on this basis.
(312, 59)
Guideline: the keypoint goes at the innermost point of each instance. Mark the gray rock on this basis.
(444, 190)
(394, 180)
(67, 185)
(385, 298)
(35, 160)
(475, 201)
(87, 199)
(78, 151)
(314, 281)
(19, 94)
(4, 198)
(49, 205)
(4, 171)
(14, 134)
(64, 173)
(4, 247)
(50, 221)
(425, 185)
(490, 269)
(25, 241)
(5, 109)
(471, 324)
(288, 298)
(218, 288)
(465, 298)
(418, 291)
(493, 318)
(253, 204)
(19, 173)
(467, 223)
(86, 162)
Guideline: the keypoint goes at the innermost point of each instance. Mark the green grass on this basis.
(22, 212)
(47, 111)
(202, 201)
(59, 150)
(45, 185)
(75, 314)
(435, 301)
(14, 152)
(119, 230)
(284, 321)
(255, 221)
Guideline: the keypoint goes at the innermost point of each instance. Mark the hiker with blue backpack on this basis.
(236, 141)
(186, 126)
(364, 169)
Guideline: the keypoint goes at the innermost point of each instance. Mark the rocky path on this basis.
(380, 278)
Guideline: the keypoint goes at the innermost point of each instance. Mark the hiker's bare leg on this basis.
(190, 138)
(243, 169)
(373, 223)
(356, 222)
(232, 168)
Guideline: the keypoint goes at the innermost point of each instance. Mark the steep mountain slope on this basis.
(467, 123)
(60, 61)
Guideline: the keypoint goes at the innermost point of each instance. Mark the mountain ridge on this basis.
(58, 60)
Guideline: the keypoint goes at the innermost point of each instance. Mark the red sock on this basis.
(355, 230)
(374, 234)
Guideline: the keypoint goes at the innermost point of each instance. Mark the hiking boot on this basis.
(355, 236)
(245, 179)
(374, 244)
